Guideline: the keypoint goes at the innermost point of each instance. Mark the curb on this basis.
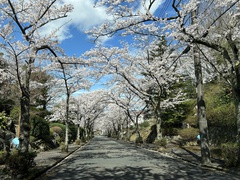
(45, 170)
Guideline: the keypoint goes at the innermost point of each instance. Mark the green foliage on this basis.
(63, 147)
(139, 140)
(32, 139)
(19, 163)
(188, 134)
(217, 95)
(3, 120)
(3, 157)
(62, 126)
(77, 142)
(14, 114)
(221, 113)
(36, 111)
(40, 128)
(191, 120)
(40, 95)
(131, 127)
(161, 142)
(145, 124)
(231, 154)
(6, 105)
(170, 131)
(72, 132)
(173, 118)
(57, 130)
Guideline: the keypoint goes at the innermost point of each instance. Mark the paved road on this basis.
(104, 159)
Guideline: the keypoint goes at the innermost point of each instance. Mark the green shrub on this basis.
(170, 131)
(191, 120)
(139, 140)
(131, 127)
(72, 132)
(3, 120)
(145, 124)
(62, 126)
(57, 130)
(77, 142)
(3, 157)
(230, 153)
(32, 139)
(222, 115)
(63, 147)
(40, 128)
(20, 162)
(188, 134)
(161, 142)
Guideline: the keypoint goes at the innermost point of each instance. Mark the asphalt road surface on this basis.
(104, 159)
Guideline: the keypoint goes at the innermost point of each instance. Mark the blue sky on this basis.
(84, 16)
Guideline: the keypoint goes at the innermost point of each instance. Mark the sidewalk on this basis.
(193, 157)
(47, 159)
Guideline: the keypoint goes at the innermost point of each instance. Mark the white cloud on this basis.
(60, 28)
(83, 17)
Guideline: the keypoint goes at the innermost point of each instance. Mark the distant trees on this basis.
(40, 89)
(71, 77)
(146, 75)
(83, 111)
(130, 104)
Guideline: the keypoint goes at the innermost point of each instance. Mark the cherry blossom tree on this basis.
(21, 24)
(113, 121)
(90, 107)
(3, 71)
(77, 114)
(139, 19)
(140, 74)
(205, 33)
(72, 76)
(132, 105)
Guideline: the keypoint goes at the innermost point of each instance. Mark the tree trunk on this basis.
(127, 138)
(159, 129)
(237, 98)
(158, 119)
(66, 133)
(203, 126)
(25, 126)
(238, 117)
(66, 122)
(78, 132)
(139, 138)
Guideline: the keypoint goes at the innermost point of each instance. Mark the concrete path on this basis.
(104, 158)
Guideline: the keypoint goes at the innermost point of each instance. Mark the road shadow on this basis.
(134, 173)
(190, 153)
(194, 157)
(117, 162)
